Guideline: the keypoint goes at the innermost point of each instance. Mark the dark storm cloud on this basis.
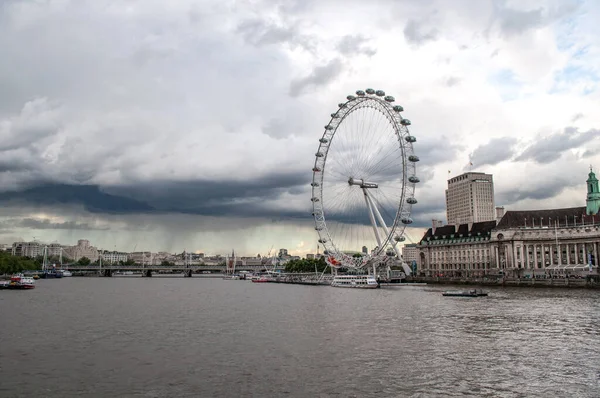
(213, 198)
(538, 189)
(417, 34)
(91, 197)
(545, 150)
(320, 76)
(494, 152)
(33, 223)
(353, 45)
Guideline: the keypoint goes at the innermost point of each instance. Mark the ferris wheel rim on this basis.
(399, 127)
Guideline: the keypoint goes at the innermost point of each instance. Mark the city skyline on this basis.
(189, 127)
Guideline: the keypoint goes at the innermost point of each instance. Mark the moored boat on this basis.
(50, 275)
(259, 279)
(465, 293)
(64, 273)
(355, 281)
(18, 282)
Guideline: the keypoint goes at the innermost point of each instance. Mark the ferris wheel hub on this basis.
(361, 183)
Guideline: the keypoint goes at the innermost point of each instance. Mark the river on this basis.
(195, 337)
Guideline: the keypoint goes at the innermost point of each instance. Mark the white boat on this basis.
(64, 272)
(355, 281)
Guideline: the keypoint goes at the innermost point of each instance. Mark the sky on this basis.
(193, 125)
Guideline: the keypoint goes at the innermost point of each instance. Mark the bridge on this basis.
(148, 270)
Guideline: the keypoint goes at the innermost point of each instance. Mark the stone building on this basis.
(82, 249)
(523, 244)
(470, 198)
(542, 242)
(456, 251)
(27, 249)
(410, 253)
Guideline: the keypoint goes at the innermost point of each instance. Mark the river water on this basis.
(194, 337)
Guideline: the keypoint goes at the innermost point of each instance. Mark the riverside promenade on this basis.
(589, 283)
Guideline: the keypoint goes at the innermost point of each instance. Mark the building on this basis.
(113, 257)
(410, 253)
(470, 198)
(54, 250)
(82, 249)
(35, 249)
(144, 258)
(540, 243)
(522, 244)
(27, 249)
(456, 251)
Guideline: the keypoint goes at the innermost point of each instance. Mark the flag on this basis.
(471, 163)
(448, 171)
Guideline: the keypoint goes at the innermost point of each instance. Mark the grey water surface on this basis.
(195, 337)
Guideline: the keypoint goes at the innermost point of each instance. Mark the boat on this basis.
(465, 293)
(259, 279)
(65, 273)
(18, 282)
(355, 281)
(50, 275)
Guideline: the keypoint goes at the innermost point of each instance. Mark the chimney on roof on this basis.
(435, 224)
(499, 213)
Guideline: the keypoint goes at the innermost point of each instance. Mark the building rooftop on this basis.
(546, 218)
(461, 233)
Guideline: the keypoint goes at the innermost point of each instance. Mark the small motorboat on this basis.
(465, 293)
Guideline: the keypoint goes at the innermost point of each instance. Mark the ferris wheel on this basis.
(363, 183)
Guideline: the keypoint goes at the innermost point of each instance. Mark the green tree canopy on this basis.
(307, 265)
(84, 261)
(10, 264)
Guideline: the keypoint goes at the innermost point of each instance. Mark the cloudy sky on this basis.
(145, 124)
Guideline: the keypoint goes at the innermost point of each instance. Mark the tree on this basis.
(307, 266)
(84, 261)
(10, 264)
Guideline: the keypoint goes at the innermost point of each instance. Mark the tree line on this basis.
(10, 264)
(307, 265)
